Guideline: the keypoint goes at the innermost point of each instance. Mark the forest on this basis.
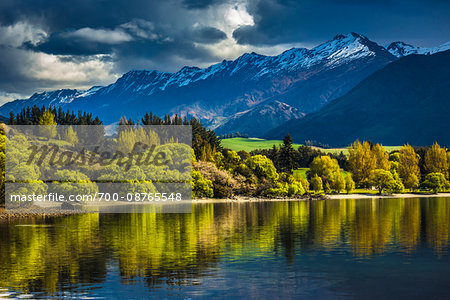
(217, 172)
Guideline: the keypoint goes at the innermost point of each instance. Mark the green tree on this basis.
(70, 136)
(339, 182)
(201, 187)
(436, 160)
(361, 162)
(262, 167)
(382, 157)
(394, 158)
(325, 167)
(305, 183)
(384, 180)
(349, 183)
(316, 183)
(72, 182)
(286, 158)
(435, 182)
(47, 124)
(408, 167)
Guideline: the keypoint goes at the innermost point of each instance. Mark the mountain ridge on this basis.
(258, 120)
(303, 78)
(401, 49)
(405, 102)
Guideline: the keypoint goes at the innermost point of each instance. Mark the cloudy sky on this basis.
(51, 44)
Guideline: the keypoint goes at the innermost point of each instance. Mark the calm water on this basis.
(384, 248)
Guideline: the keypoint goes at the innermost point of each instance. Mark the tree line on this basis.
(270, 172)
(222, 173)
(35, 116)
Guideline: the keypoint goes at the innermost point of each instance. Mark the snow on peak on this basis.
(253, 66)
(400, 49)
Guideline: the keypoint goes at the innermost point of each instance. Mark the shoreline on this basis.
(325, 197)
(238, 199)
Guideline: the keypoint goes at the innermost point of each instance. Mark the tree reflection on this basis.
(59, 254)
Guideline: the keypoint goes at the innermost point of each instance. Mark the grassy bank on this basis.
(249, 144)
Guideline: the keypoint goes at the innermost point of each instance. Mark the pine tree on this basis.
(12, 119)
(286, 158)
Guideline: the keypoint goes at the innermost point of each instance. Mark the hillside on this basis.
(408, 101)
(259, 120)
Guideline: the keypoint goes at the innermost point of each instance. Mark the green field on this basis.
(249, 144)
(301, 172)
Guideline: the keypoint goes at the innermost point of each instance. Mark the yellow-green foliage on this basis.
(325, 167)
(435, 182)
(70, 136)
(382, 157)
(262, 167)
(361, 162)
(408, 167)
(129, 137)
(316, 183)
(384, 180)
(436, 160)
(73, 182)
(201, 187)
(349, 183)
(48, 124)
(338, 182)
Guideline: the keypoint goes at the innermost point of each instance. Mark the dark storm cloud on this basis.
(312, 21)
(47, 44)
(58, 44)
(207, 35)
(83, 41)
(199, 4)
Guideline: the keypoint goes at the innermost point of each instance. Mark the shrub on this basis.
(349, 183)
(384, 180)
(201, 187)
(435, 182)
(262, 167)
(316, 183)
(223, 183)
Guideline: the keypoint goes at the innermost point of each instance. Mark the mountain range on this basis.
(227, 95)
(400, 49)
(408, 101)
(305, 79)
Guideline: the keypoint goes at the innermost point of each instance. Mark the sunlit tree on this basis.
(408, 167)
(436, 160)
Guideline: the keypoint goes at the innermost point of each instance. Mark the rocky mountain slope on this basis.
(258, 120)
(408, 101)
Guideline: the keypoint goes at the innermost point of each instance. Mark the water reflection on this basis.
(84, 254)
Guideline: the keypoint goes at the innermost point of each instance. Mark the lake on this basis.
(380, 248)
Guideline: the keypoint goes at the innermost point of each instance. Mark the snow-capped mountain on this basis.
(388, 107)
(303, 78)
(400, 49)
